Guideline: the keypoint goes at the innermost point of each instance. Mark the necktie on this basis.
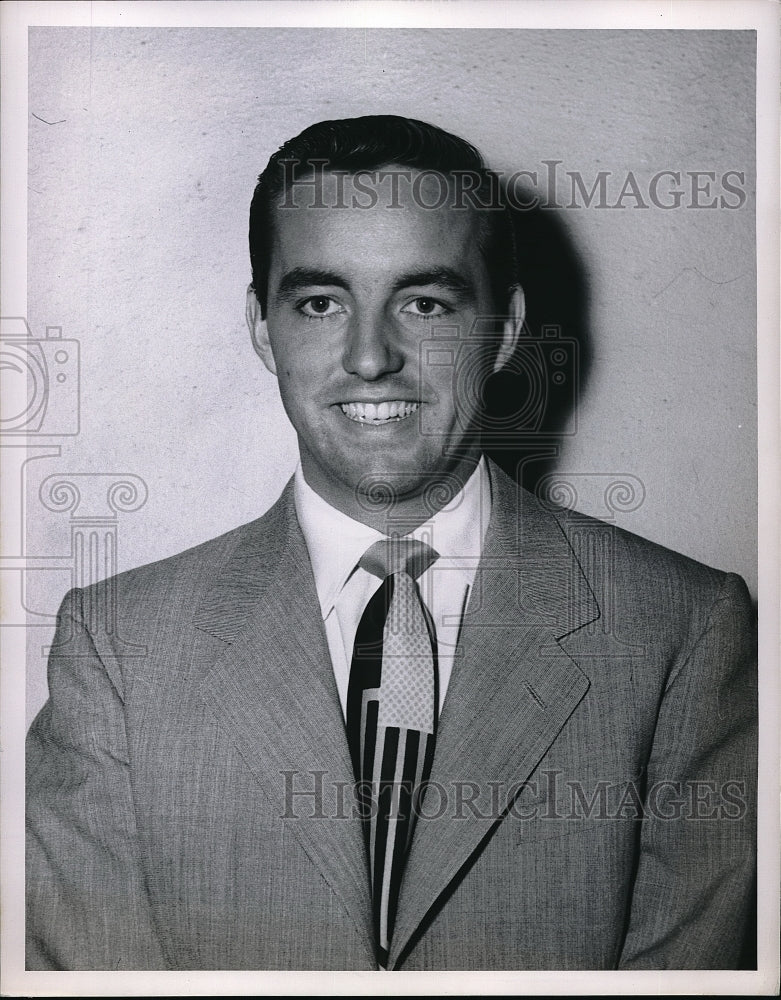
(391, 717)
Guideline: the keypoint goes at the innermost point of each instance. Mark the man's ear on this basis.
(511, 328)
(258, 329)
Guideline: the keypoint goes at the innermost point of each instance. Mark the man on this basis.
(385, 726)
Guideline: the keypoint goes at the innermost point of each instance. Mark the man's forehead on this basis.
(357, 253)
(396, 211)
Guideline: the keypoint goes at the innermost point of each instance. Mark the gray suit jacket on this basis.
(592, 796)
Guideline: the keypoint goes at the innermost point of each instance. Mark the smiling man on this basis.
(379, 727)
(352, 273)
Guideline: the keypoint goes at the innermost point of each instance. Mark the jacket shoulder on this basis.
(193, 571)
(603, 544)
(646, 578)
(650, 582)
(643, 553)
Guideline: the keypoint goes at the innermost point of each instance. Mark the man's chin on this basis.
(372, 482)
(382, 490)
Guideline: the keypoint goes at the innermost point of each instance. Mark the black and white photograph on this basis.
(390, 463)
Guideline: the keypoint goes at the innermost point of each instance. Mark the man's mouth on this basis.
(379, 413)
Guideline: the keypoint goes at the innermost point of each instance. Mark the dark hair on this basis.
(372, 142)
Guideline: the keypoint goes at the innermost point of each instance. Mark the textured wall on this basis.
(137, 218)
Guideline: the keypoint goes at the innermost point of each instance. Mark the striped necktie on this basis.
(391, 717)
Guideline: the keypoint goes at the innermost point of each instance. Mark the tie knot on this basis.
(398, 555)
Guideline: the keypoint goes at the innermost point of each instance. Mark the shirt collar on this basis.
(336, 542)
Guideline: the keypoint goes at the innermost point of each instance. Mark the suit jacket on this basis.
(592, 795)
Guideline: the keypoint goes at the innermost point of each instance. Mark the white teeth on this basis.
(379, 413)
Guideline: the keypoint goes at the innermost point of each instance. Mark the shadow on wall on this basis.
(531, 406)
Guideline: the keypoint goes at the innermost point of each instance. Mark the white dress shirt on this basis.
(336, 543)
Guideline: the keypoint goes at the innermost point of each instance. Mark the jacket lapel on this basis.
(272, 687)
(512, 690)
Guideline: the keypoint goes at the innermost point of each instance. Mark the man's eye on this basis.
(426, 308)
(319, 306)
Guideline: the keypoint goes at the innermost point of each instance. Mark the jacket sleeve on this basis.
(693, 891)
(87, 905)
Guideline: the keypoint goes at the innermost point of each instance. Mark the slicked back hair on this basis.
(371, 143)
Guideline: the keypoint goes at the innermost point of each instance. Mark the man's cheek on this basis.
(291, 379)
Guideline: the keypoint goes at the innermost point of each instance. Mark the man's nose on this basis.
(372, 348)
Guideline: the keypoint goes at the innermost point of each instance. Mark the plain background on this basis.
(138, 201)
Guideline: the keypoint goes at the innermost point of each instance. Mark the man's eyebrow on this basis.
(301, 277)
(443, 277)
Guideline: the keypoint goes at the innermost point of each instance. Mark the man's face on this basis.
(352, 294)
